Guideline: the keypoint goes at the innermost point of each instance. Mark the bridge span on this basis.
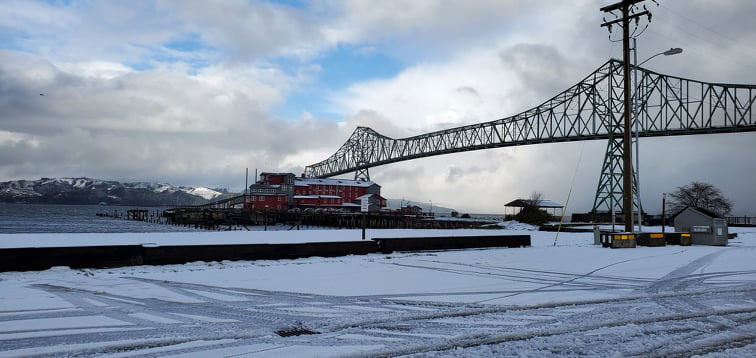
(589, 110)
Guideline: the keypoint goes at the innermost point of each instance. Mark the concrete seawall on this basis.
(388, 245)
(42, 258)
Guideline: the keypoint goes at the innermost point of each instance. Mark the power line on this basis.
(690, 33)
(708, 53)
(640, 33)
(737, 46)
(699, 24)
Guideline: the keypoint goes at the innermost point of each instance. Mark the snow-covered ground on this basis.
(565, 300)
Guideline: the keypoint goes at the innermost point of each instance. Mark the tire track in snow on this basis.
(693, 341)
(714, 346)
(466, 342)
(670, 280)
(464, 311)
(683, 278)
(589, 273)
(545, 272)
(520, 278)
(407, 327)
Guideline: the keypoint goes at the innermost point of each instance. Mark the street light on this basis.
(670, 52)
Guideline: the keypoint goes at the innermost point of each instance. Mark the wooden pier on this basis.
(224, 219)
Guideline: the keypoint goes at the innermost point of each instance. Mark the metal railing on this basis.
(741, 220)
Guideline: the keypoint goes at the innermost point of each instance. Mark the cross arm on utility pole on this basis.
(619, 5)
(610, 23)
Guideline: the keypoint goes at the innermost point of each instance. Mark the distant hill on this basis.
(95, 191)
(397, 203)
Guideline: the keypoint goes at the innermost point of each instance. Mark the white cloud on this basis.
(140, 125)
(428, 95)
(97, 69)
(250, 30)
(479, 85)
(449, 21)
(16, 139)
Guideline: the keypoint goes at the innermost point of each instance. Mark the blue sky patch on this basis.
(186, 43)
(346, 65)
(340, 68)
(292, 3)
(11, 39)
(58, 2)
(187, 48)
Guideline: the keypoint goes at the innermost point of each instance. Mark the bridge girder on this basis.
(589, 110)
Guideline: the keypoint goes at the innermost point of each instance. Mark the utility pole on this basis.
(664, 210)
(627, 9)
(637, 133)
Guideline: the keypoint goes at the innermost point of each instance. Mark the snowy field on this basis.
(545, 301)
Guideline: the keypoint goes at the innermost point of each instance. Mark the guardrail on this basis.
(741, 220)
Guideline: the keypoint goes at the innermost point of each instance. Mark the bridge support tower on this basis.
(609, 192)
(362, 174)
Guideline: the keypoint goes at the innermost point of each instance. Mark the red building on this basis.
(288, 191)
(264, 201)
(317, 201)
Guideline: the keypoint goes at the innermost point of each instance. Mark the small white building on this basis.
(705, 227)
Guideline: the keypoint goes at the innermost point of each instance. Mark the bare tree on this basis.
(534, 198)
(700, 195)
(531, 214)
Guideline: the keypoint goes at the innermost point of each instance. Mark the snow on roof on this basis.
(342, 182)
(704, 211)
(305, 196)
(351, 205)
(265, 186)
(282, 174)
(368, 196)
(316, 196)
(519, 203)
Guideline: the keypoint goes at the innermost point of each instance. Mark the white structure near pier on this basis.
(705, 227)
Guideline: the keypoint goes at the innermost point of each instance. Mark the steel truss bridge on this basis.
(591, 109)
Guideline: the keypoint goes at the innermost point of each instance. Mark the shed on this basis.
(410, 210)
(541, 204)
(705, 227)
(375, 201)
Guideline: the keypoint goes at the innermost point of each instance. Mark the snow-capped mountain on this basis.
(95, 191)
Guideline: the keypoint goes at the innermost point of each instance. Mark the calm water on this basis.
(32, 218)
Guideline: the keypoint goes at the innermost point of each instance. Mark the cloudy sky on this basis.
(193, 92)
